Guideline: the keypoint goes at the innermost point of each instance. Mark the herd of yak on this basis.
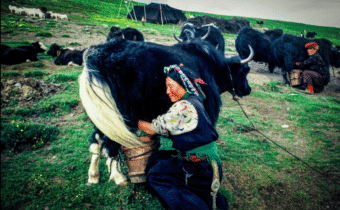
(271, 47)
(125, 65)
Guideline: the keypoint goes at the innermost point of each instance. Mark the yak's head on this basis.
(239, 70)
(189, 32)
(60, 59)
(39, 46)
(53, 50)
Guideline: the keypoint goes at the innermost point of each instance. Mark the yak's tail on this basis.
(100, 106)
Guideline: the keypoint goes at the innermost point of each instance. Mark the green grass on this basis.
(10, 74)
(253, 158)
(35, 74)
(74, 44)
(16, 43)
(44, 34)
(11, 23)
(18, 133)
(37, 64)
(63, 77)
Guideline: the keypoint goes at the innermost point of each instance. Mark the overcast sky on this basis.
(314, 12)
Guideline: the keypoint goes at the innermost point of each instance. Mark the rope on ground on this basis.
(284, 149)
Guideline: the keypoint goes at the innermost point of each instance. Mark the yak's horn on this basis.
(178, 39)
(250, 57)
(207, 34)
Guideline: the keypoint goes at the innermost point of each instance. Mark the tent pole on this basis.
(127, 8)
(133, 9)
(160, 8)
(120, 7)
(145, 14)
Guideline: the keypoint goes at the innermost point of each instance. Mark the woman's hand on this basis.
(146, 127)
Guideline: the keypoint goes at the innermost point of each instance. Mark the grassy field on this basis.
(45, 132)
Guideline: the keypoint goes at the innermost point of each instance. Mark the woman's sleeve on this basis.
(182, 117)
(307, 63)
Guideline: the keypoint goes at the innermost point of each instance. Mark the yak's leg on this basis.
(271, 66)
(72, 64)
(286, 69)
(110, 150)
(95, 148)
(113, 166)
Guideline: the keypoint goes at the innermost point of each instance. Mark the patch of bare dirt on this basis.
(26, 90)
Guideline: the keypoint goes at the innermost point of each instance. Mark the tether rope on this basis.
(235, 98)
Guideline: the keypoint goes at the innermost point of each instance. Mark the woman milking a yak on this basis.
(314, 75)
(188, 175)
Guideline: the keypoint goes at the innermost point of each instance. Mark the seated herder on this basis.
(315, 73)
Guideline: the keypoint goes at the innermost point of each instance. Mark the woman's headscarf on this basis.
(312, 45)
(184, 77)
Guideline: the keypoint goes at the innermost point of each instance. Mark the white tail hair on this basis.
(102, 109)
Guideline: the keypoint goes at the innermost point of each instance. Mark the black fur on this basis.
(110, 148)
(43, 9)
(3, 48)
(215, 36)
(311, 35)
(289, 49)
(135, 69)
(16, 55)
(126, 33)
(260, 42)
(134, 73)
(53, 50)
(66, 56)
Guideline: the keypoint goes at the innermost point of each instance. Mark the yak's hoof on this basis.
(120, 180)
(123, 183)
(93, 179)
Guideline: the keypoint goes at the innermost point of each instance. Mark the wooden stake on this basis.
(145, 14)
(120, 7)
(133, 9)
(127, 8)
(160, 8)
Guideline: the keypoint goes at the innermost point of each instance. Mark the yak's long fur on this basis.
(123, 82)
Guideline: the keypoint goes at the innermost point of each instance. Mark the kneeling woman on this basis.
(189, 176)
(315, 75)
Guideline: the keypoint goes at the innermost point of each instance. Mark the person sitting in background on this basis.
(143, 21)
(315, 74)
(188, 176)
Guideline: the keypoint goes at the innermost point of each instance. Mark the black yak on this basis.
(126, 33)
(123, 81)
(289, 49)
(66, 56)
(69, 57)
(209, 33)
(21, 54)
(311, 35)
(260, 42)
